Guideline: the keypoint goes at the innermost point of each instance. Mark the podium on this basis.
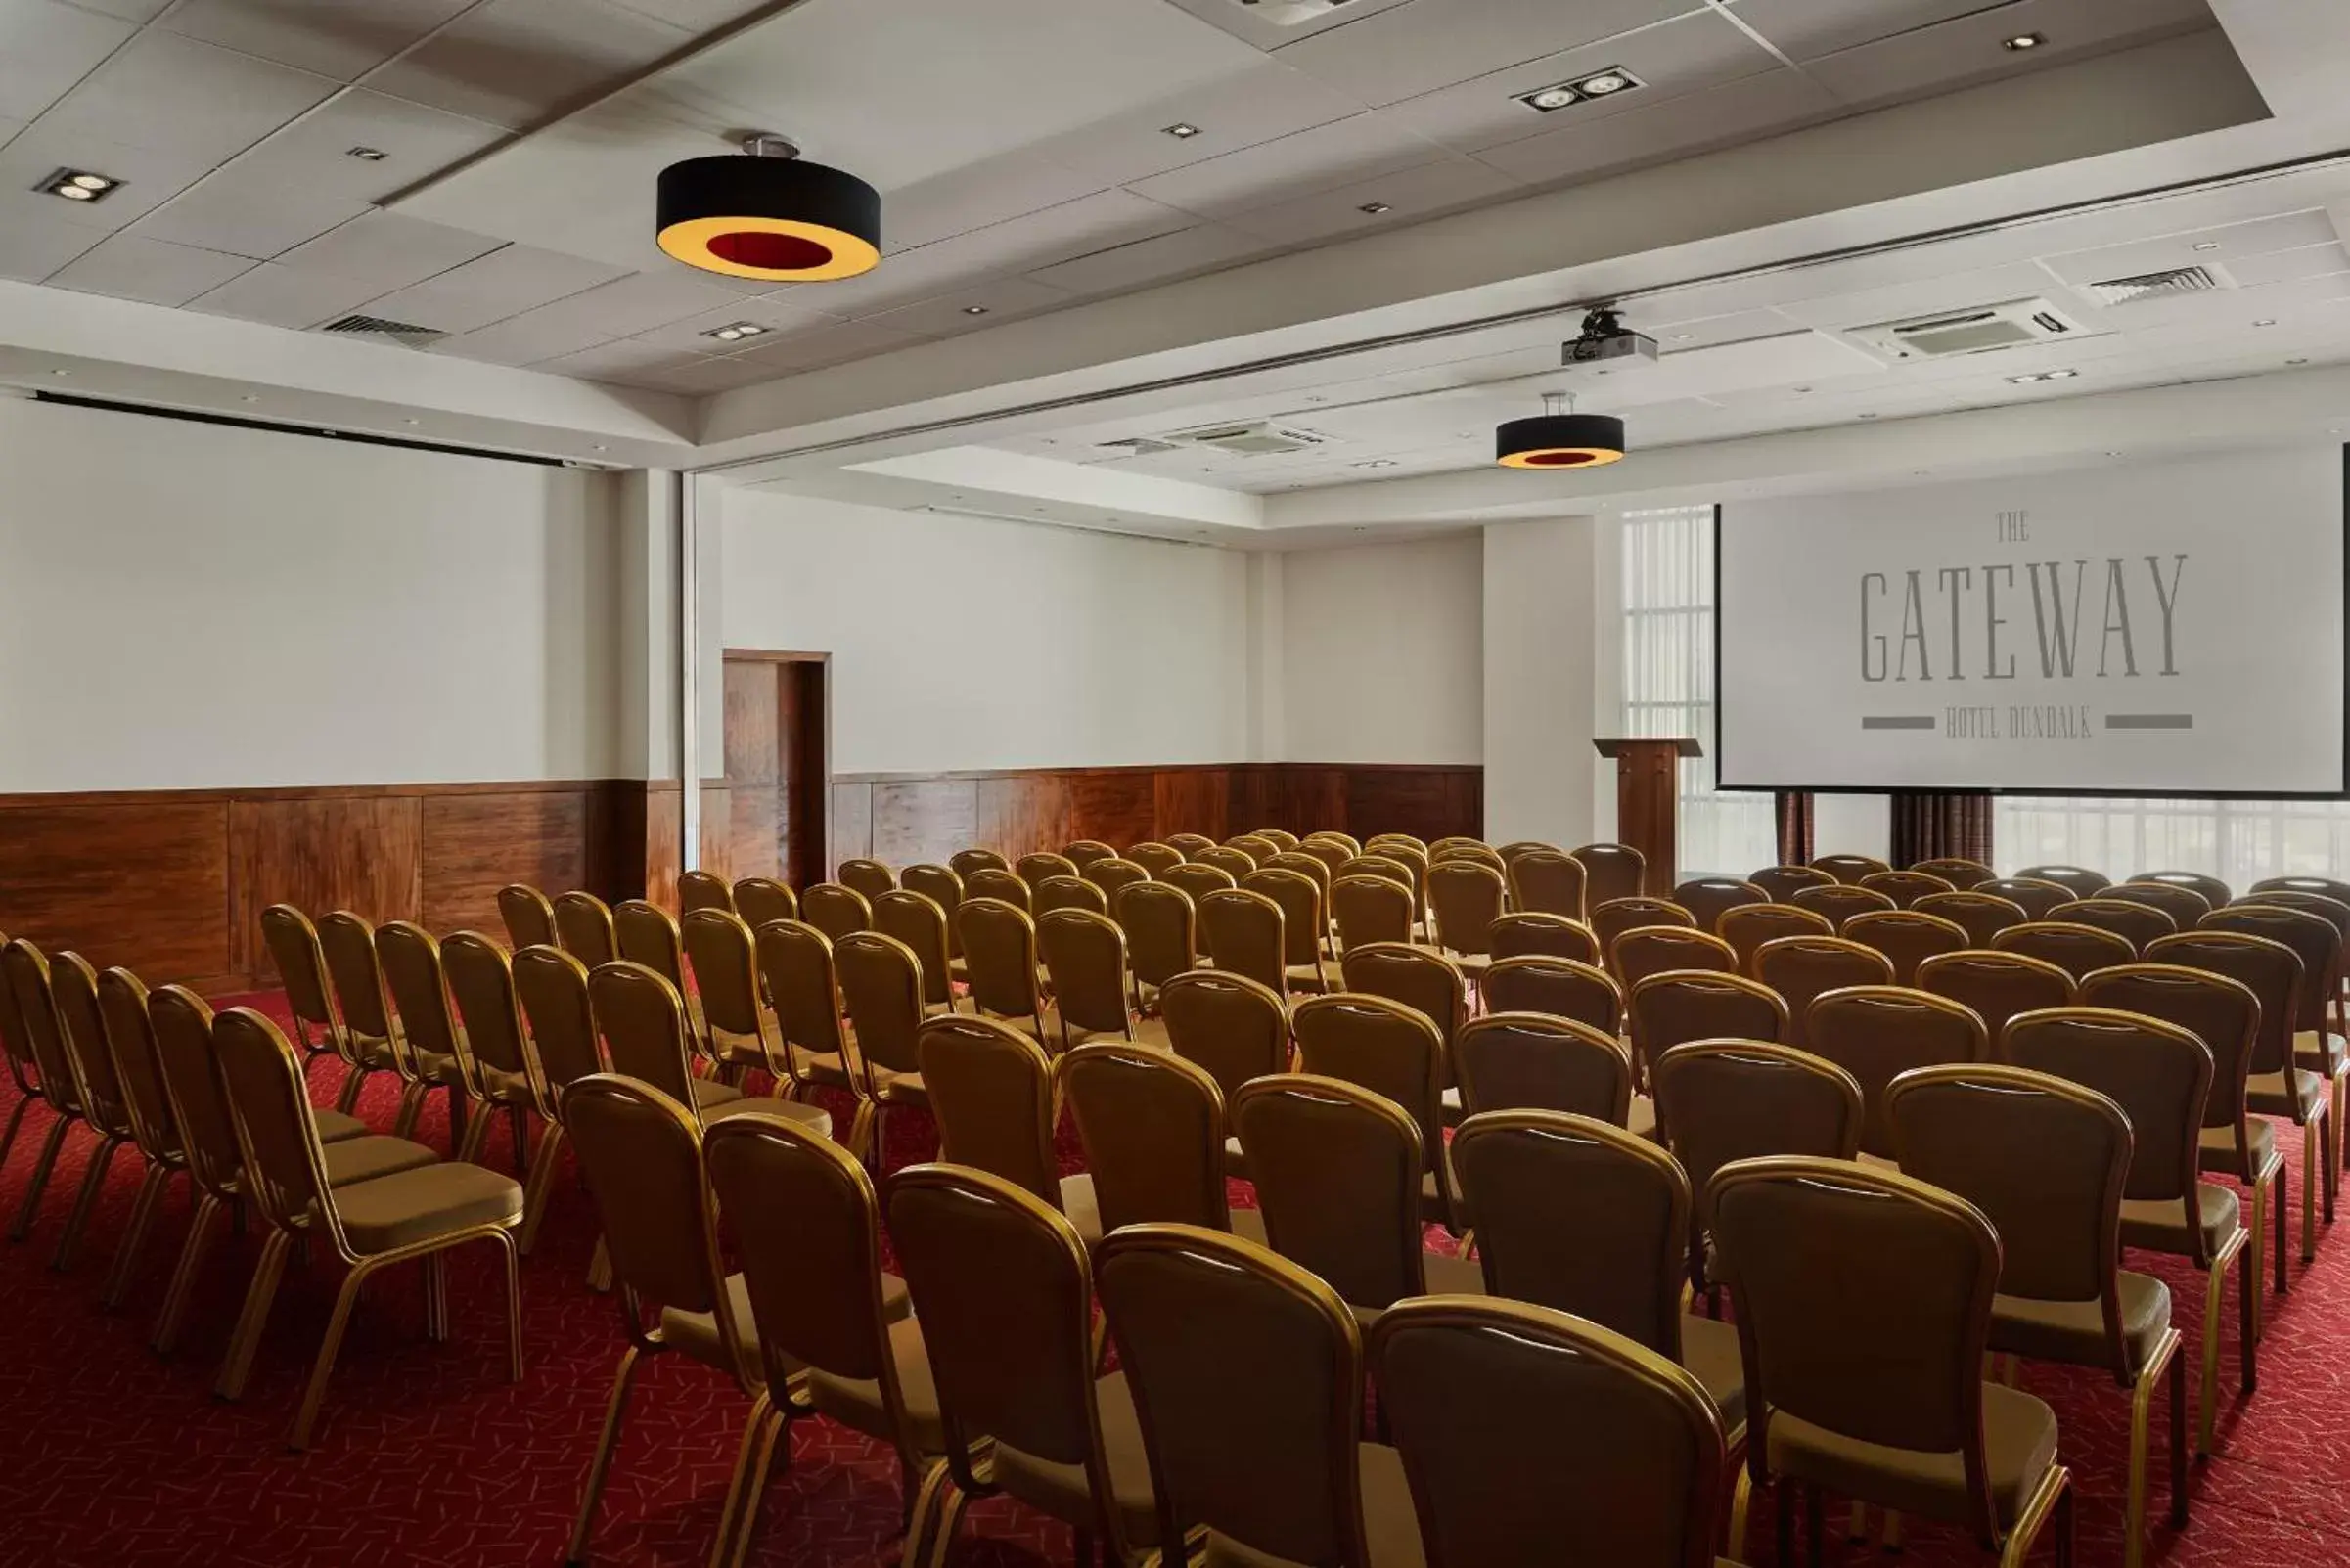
(1648, 801)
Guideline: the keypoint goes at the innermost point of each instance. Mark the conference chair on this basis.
(835, 909)
(735, 1032)
(1997, 986)
(1586, 1409)
(1802, 968)
(1512, 852)
(2078, 880)
(1848, 868)
(1748, 926)
(15, 1046)
(417, 1214)
(644, 932)
(1304, 926)
(1879, 1032)
(430, 1052)
(1465, 898)
(1035, 866)
(1234, 863)
(2211, 889)
(2035, 896)
(1865, 1301)
(1338, 1175)
(1155, 858)
(1152, 1129)
(1675, 1006)
(2135, 923)
(314, 993)
(1246, 1375)
(918, 920)
(1355, 846)
(811, 1043)
(1312, 868)
(1161, 940)
(643, 1025)
(806, 1228)
(583, 929)
(993, 882)
(1393, 1050)
(552, 989)
(347, 945)
(1537, 982)
(1840, 901)
(1981, 916)
(699, 889)
(1085, 851)
(944, 888)
(1707, 898)
(880, 981)
(1957, 871)
(1281, 838)
(1232, 1028)
(1371, 909)
(513, 1071)
(1783, 883)
(1537, 1062)
(867, 876)
(963, 862)
(1615, 916)
(999, 948)
(1545, 881)
(2047, 1162)
(2182, 904)
(1452, 849)
(2160, 1076)
(762, 899)
(528, 918)
(1609, 872)
(1334, 856)
(1429, 983)
(2327, 886)
(1906, 936)
(2319, 1028)
(1068, 893)
(2080, 951)
(1112, 873)
(1003, 1290)
(1648, 949)
(991, 1091)
(1905, 888)
(58, 1000)
(129, 1031)
(1085, 954)
(1189, 844)
(1197, 880)
(1523, 931)
(1246, 935)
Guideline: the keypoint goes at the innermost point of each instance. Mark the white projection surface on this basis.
(2149, 629)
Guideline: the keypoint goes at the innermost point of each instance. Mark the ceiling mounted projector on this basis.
(1560, 438)
(1606, 337)
(769, 214)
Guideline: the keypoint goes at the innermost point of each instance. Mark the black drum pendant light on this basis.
(1560, 438)
(769, 216)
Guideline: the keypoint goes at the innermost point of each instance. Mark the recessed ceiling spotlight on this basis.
(1181, 130)
(2296, 362)
(2024, 41)
(1864, 416)
(1375, 208)
(1564, 95)
(367, 155)
(597, 448)
(408, 422)
(736, 331)
(1376, 463)
(60, 373)
(78, 185)
(249, 399)
(975, 310)
(769, 216)
(1683, 337)
(2044, 375)
(2207, 245)
(2266, 321)
(1606, 82)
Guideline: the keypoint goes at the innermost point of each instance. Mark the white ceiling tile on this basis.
(339, 38)
(130, 267)
(1806, 30)
(499, 284)
(516, 62)
(313, 154)
(701, 16)
(149, 176)
(284, 297)
(1129, 266)
(1686, 54)
(594, 316)
(2284, 266)
(1706, 331)
(33, 247)
(127, 9)
(1241, 22)
(1969, 47)
(245, 215)
(703, 376)
(2229, 244)
(613, 361)
(998, 299)
(1405, 193)
(175, 94)
(1753, 106)
(46, 48)
(384, 251)
(1268, 100)
(688, 335)
(522, 339)
(1337, 153)
(1418, 48)
(824, 345)
(993, 190)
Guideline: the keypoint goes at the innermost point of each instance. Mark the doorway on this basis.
(778, 729)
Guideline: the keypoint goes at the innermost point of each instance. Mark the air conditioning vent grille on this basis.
(2166, 285)
(2011, 324)
(406, 334)
(1253, 439)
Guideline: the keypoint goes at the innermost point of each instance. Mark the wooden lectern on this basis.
(1648, 801)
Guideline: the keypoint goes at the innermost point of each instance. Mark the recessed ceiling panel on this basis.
(285, 297)
(46, 48)
(31, 248)
(1806, 30)
(1418, 48)
(514, 62)
(149, 176)
(1337, 153)
(130, 267)
(1972, 47)
(1388, 199)
(499, 284)
(1753, 106)
(1265, 101)
(247, 216)
(386, 250)
(314, 152)
(179, 96)
(1167, 255)
(341, 41)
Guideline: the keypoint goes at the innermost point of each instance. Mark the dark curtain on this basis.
(1795, 846)
(1930, 825)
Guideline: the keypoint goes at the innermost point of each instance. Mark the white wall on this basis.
(960, 641)
(1540, 681)
(194, 606)
(1384, 652)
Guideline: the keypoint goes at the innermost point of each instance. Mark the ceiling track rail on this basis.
(2311, 163)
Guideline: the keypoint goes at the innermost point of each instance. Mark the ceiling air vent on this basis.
(2012, 325)
(377, 330)
(2160, 285)
(1136, 446)
(1257, 438)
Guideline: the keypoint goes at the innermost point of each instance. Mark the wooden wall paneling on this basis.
(617, 849)
(1191, 800)
(1309, 799)
(1464, 800)
(1116, 805)
(143, 884)
(364, 854)
(1251, 799)
(851, 824)
(474, 844)
(1420, 801)
(750, 740)
(664, 836)
(718, 829)
(1020, 813)
(803, 721)
(917, 820)
(754, 839)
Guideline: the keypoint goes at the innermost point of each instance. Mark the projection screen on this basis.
(2172, 628)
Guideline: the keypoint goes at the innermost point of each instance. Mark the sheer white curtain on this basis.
(1668, 682)
(2239, 841)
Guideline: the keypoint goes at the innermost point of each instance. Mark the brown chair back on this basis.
(2214, 892)
(1257, 846)
(879, 984)
(2134, 923)
(130, 1039)
(2080, 951)
(1783, 883)
(1957, 871)
(963, 862)
(646, 933)
(528, 918)
(480, 980)
(1801, 968)
(1392, 1049)
(348, 944)
(1035, 866)
(993, 882)
(74, 989)
(804, 986)
(2078, 880)
(1155, 858)
(1247, 934)
(1523, 931)
(1336, 1169)
(2266, 967)
(1648, 949)
(1371, 909)
(2034, 895)
(301, 966)
(835, 909)
(1615, 916)
(870, 878)
(1981, 916)
(1085, 851)
(1706, 898)
(1561, 987)
(701, 890)
(2184, 905)
(1906, 888)
(1609, 872)
(762, 899)
(1418, 978)
(200, 1107)
(1748, 926)
(551, 987)
(411, 974)
(999, 952)
(2313, 939)
(1068, 893)
(1112, 873)
(1232, 863)
(1303, 923)
(1534, 1061)
(921, 922)
(1840, 902)
(991, 1090)
(1227, 1024)
(1997, 986)
(943, 886)
(1907, 936)
(1677, 1005)
(1161, 931)
(643, 1022)
(583, 929)
(1280, 837)
(2221, 1011)
(1721, 1100)
(1849, 868)
(1085, 954)
(1465, 897)
(1544, 881)
(1152, 1129)
(1190, 843)
(1879, 1032)
(2328, 886)
(269, 1105)
(725, 962)
(1198, 880)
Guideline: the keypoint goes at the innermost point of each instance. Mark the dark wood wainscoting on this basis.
(905, 817)
(172, 882)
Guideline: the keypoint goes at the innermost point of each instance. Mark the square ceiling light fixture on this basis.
(78, 185)
(1612, 82)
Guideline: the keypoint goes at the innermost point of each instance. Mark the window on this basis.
(1668, 683)
(2239, 841)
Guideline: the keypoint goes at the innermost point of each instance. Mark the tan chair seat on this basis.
(374, 1052)
(507, 1088)
(900, 1088)
(1640, 1119)
(2326, 1058)
(958, 968)
(2160, 1225)
(2074, 1332)
(2217, 1146)
(437, 1069)
(1249, 1225)
(335, 1126)
(856, 1402)
(370, 1155)
(738, 1050)
(1083, 1209)
(1390, 1527)
(697, 1333)
(2019, 1445)
(1060, 1490)
(1312, 977)
(1473, 964)
(2299, 1094)
(1709, 1352)
(815, 1118)
(1149, 1032)
(392, 1212)
(819, 1067)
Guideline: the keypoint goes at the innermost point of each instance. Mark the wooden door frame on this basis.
(811, 865)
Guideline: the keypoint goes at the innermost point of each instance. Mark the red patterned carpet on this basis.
(111, 1456)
